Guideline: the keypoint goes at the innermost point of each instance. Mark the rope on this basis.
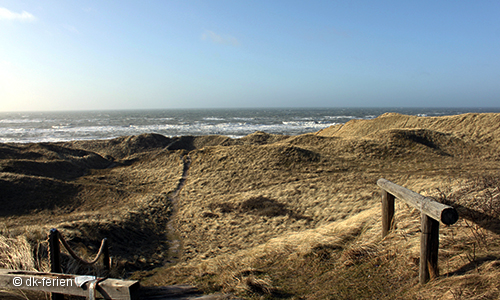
(73, 254)
(93, 283)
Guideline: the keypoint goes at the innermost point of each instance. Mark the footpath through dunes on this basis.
(123, 189)
(268, 215)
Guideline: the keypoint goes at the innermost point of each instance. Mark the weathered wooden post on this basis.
(429, 248)
(431, 213)
(387, 212)
(54, 250)
(55, 258)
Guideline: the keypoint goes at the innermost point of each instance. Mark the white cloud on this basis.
(6, 14)
(218, 39)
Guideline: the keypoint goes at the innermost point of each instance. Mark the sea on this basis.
(36, 127)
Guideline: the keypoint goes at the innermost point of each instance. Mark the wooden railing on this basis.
(432, 212)
(59, 284)
(55, 259)
(91, 287)
(54, 250)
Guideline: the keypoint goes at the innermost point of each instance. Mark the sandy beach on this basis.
(266, 216)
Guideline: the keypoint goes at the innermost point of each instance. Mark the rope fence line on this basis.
(55, 258)
(102, 252)
(59, 284)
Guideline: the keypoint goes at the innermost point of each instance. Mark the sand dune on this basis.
(285, 216)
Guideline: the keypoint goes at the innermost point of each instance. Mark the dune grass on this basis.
(269, 216)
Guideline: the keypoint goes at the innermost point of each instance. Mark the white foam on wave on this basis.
(213, 119)
(61, 126)
(20, 121)
(243, 119)
(230, 129)
(341, 117)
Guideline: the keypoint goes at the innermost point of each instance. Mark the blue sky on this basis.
(85, 55)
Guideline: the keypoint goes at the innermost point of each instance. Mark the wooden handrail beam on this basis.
(438, 211)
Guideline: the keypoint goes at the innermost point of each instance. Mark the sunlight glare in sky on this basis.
(79, 55)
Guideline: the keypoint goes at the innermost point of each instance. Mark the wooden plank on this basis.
(387, 212)
(65, 284)
(438, 211)
(429, 247)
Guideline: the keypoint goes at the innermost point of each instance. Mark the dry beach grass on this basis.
(266, 216)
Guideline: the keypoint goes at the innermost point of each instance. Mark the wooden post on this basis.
(105, 257)
(55, 250)
(387, 212)
(429, 247)
(55, 257)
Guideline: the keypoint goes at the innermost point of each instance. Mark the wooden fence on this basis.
(59, 284)
(432, 212)
(91, 287)
(55, 260)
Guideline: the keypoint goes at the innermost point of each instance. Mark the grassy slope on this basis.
(275, 216)
(314, 231)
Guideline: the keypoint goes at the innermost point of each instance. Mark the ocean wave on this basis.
(213, 119)
(341, 117)
(231, 129)
(20, 121)
(243, 119)
(61, 126)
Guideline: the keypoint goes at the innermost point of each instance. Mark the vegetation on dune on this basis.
(266, 216)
